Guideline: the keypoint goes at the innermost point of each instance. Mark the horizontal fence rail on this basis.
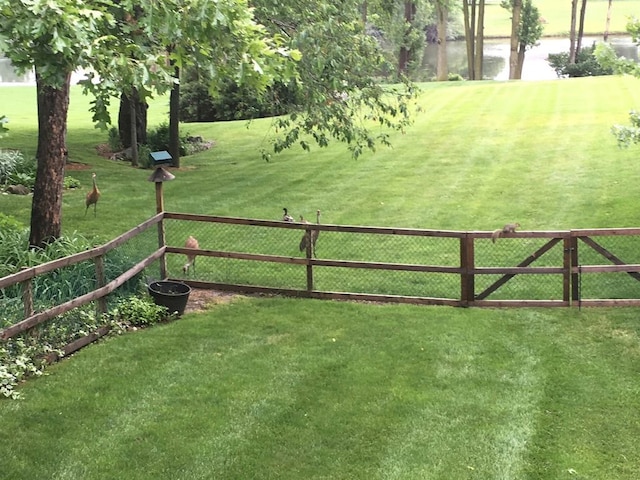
(588, 267)
(130, 251)
(440, 267)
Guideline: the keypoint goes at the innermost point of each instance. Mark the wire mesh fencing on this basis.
(72, 279)
(456, 268)
(604, 249)
(344, 259)
(523, 253)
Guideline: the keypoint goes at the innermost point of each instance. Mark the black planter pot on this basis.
(173, 295)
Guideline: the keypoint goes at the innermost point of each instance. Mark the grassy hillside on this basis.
(557, 17)
(298, 389)
(478, 154)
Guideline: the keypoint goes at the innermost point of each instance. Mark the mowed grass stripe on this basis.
(479, 154)
(285, 388)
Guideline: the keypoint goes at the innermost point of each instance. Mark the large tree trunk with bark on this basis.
(124, 119)
(516, 12)
(442, 68)
(46, 206)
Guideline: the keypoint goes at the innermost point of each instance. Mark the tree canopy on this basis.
(117, 47)
(342, 97)
(607, 58)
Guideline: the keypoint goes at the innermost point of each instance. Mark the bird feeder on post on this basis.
(159, 176)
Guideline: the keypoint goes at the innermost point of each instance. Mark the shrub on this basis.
(158, 139)
(114, 140)
(25, 355)
(586, 64)
(233, 102)
(70, 182)
(144, 161)
(196, 104)
(16, 170)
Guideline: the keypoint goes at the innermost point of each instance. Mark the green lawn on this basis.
(557, 17)
(302, 389)
(479, 154)
(260, 389)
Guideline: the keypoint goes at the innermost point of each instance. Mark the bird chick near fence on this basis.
(191, 242)
(313, 234)
(286, 217)
(508, 228)
(92, 197)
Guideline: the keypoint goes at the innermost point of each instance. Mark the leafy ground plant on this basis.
(138, 311)
(16, 169)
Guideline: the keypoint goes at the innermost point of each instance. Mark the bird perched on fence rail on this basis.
(191, 242)
(313, 235)
(92, 197)
(286, 217)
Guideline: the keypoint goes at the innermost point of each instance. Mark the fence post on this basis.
(27, 298)
(571, 256)
(100, 282)
(309, 257)
(159, 176)
(467, 264)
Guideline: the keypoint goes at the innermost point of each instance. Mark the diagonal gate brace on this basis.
(526, 262)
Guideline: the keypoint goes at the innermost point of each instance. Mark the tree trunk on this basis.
(134, 134)
(470, 34)
(583, 12)
(124, 119)
(572, 31)
(405, 52)
(174, 120)
(442, 69)
(516, 12)
(479, 42)
(46, 206)
(608, 22)
(365, 12)
(521, 52)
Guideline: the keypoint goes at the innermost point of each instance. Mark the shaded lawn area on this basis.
(291, 389)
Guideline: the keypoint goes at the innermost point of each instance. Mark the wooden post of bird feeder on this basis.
(159, 176)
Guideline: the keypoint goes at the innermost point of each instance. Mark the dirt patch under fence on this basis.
(201, 299)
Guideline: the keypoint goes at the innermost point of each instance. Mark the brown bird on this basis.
(191, 242)
(92, 197)
(314, 235)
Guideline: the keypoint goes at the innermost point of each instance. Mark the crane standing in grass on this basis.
(191, 242)
(92, 197)
(313, 235)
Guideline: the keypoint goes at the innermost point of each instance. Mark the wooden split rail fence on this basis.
(568, 270)
(567, 273)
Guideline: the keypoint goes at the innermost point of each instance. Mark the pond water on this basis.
(496, 59)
